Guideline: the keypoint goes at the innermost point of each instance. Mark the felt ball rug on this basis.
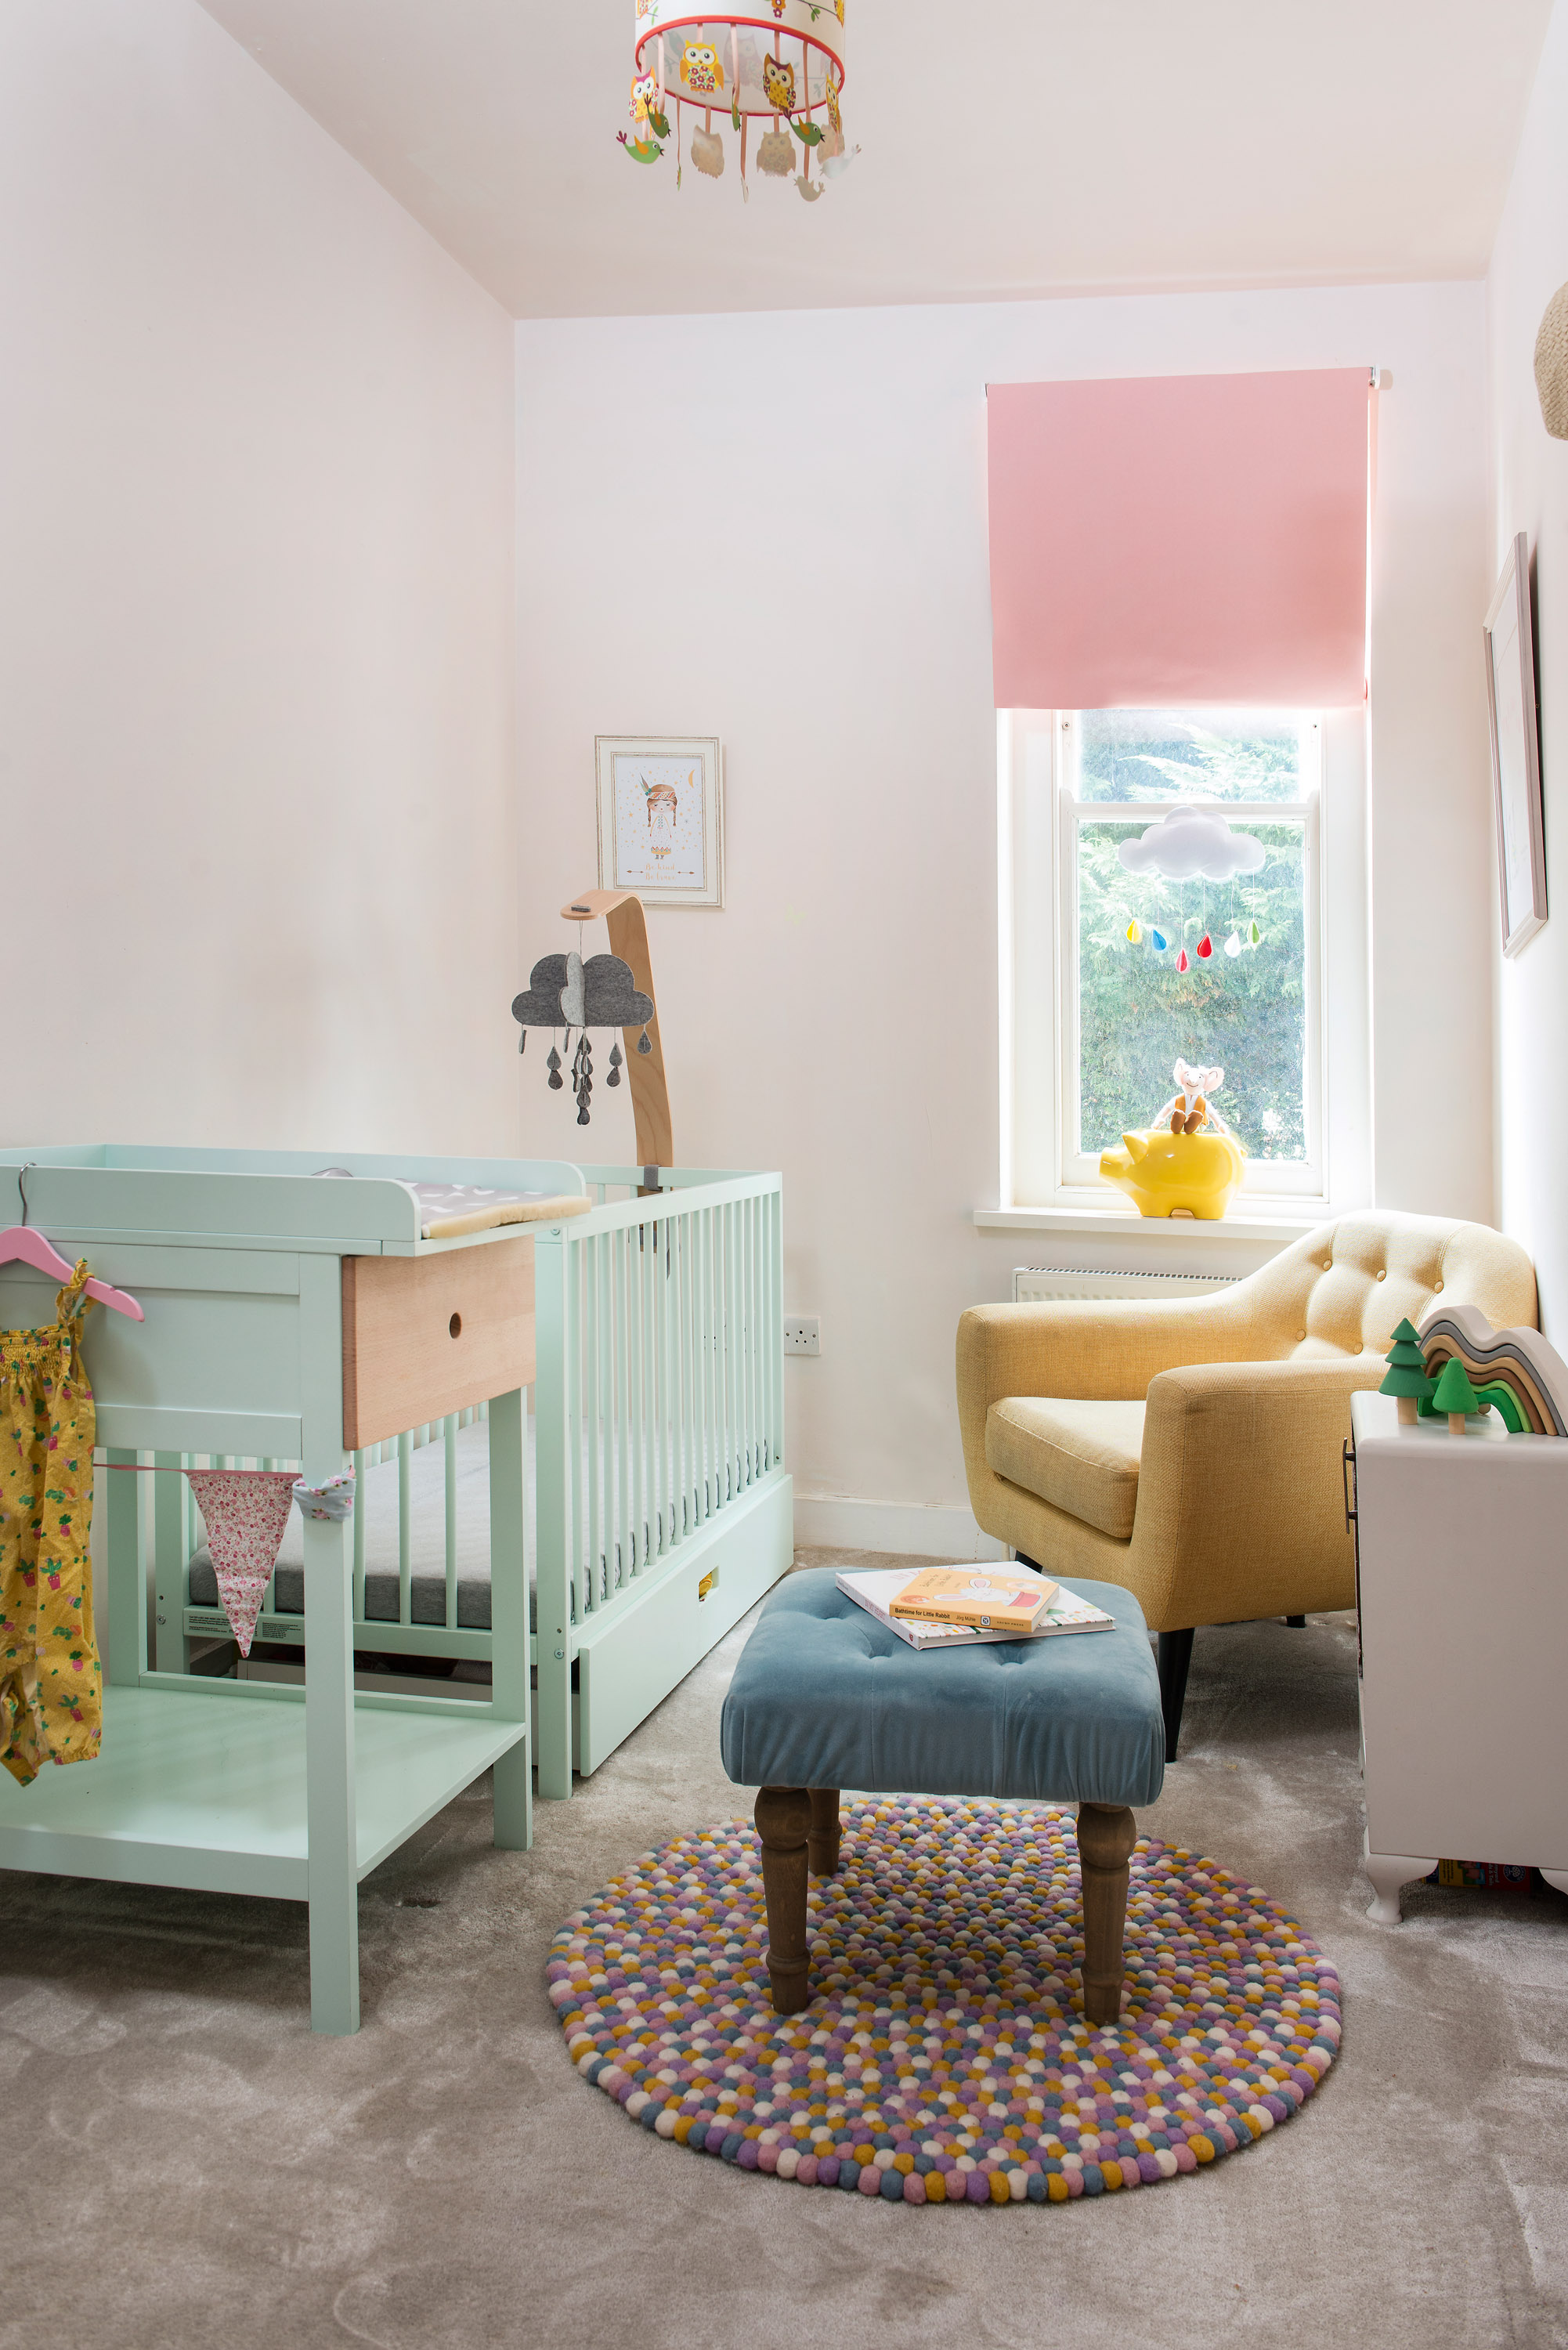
(944, 2056)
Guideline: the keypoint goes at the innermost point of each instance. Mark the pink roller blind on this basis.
(1180, 538)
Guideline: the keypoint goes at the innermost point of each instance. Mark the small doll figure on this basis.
(1190, 1108)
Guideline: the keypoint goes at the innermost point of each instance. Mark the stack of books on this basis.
(1487, 1876)
(953, 1606)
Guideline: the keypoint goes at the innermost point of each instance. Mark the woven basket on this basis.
(1552, 365)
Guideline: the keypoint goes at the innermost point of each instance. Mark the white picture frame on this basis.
(662, 817)
(1515, 753)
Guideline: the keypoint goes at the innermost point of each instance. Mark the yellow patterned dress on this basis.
(51, 1686)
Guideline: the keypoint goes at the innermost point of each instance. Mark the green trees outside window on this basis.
(1246, 1011)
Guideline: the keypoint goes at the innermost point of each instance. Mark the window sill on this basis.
(1280, 1222)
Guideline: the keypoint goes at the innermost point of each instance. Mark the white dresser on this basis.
(1462, 1588)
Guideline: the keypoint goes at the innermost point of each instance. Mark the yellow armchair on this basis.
(1191, 1450)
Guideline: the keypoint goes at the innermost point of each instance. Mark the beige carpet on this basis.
(186, 2165)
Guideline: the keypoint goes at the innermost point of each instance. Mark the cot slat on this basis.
(405, 1525)
(360, 1506)
(448, 1447)
(621, 1381)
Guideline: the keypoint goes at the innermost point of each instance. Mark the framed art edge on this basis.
(1514, 582)
(712, 750)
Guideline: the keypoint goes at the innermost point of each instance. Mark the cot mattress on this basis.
(427, 1538)
(427, 1541)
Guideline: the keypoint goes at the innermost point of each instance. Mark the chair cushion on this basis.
(825, 1696)
(1081, 1456)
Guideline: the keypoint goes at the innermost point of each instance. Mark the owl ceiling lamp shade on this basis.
(778, 64)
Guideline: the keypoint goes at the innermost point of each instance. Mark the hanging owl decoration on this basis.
(778, 85)
(702, 75)
(781, 67)
(565, 993)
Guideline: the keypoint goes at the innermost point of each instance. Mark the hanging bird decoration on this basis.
(565, 993)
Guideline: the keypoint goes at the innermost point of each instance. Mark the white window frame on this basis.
(1040, 817)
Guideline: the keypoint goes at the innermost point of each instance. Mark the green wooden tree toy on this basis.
(1454, 1395)
(1406, 1380)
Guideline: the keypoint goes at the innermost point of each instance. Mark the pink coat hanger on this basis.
(25, 1245)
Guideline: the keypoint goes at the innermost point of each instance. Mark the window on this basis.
(1248, 1009)
(1096, 1005)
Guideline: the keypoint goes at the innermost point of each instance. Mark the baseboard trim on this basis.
(907, 1529)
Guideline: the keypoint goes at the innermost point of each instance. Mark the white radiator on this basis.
(1035, 1284)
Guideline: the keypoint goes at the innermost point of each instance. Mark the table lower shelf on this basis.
(210, 1791)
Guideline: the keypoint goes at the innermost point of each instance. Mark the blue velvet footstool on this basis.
(824, 1696)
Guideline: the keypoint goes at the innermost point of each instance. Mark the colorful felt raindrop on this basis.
(1233, 944)
(1160, 941)
(1206, 946)
(1181, 962)
(1254, 936)
(1135, 933)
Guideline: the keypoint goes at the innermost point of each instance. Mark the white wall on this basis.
(773, 529)
(255, 616)
(1530, 493)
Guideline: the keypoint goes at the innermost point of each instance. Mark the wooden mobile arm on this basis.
(622, 910)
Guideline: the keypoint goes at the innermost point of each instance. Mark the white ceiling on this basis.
(1059, 146)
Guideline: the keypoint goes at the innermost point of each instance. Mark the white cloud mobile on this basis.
(1192, 843)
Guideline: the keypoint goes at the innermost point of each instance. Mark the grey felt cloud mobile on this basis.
(564, 992)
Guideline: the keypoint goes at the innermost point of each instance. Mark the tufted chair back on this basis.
(1342, 1290)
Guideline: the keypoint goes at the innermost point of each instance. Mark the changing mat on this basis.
(449, 1210)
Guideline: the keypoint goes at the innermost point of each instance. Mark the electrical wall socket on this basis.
(803, 1335)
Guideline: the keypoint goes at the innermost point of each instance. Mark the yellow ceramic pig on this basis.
(1166, 1174)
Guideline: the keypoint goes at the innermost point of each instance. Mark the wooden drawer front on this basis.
(423, 1335)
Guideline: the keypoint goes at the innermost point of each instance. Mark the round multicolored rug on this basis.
(944, 2057)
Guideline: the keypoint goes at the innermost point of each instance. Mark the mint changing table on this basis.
(261, 1313)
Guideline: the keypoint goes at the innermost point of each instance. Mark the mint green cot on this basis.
(660, 1511)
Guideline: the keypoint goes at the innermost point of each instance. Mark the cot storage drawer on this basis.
(425, 1335)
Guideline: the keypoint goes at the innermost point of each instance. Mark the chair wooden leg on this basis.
(1175, 1655)
(822, 1840)
(784, 1817)
(1107, 1834)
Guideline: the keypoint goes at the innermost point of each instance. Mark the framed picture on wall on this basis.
(1516, 752)
(662, 817)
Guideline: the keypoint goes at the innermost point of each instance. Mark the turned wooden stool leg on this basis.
(783, 1821)
(822, 1840)
(1107, 1834)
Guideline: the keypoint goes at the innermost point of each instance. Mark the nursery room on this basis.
(784, 1289)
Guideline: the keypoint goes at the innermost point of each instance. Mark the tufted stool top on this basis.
(825, 1696)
